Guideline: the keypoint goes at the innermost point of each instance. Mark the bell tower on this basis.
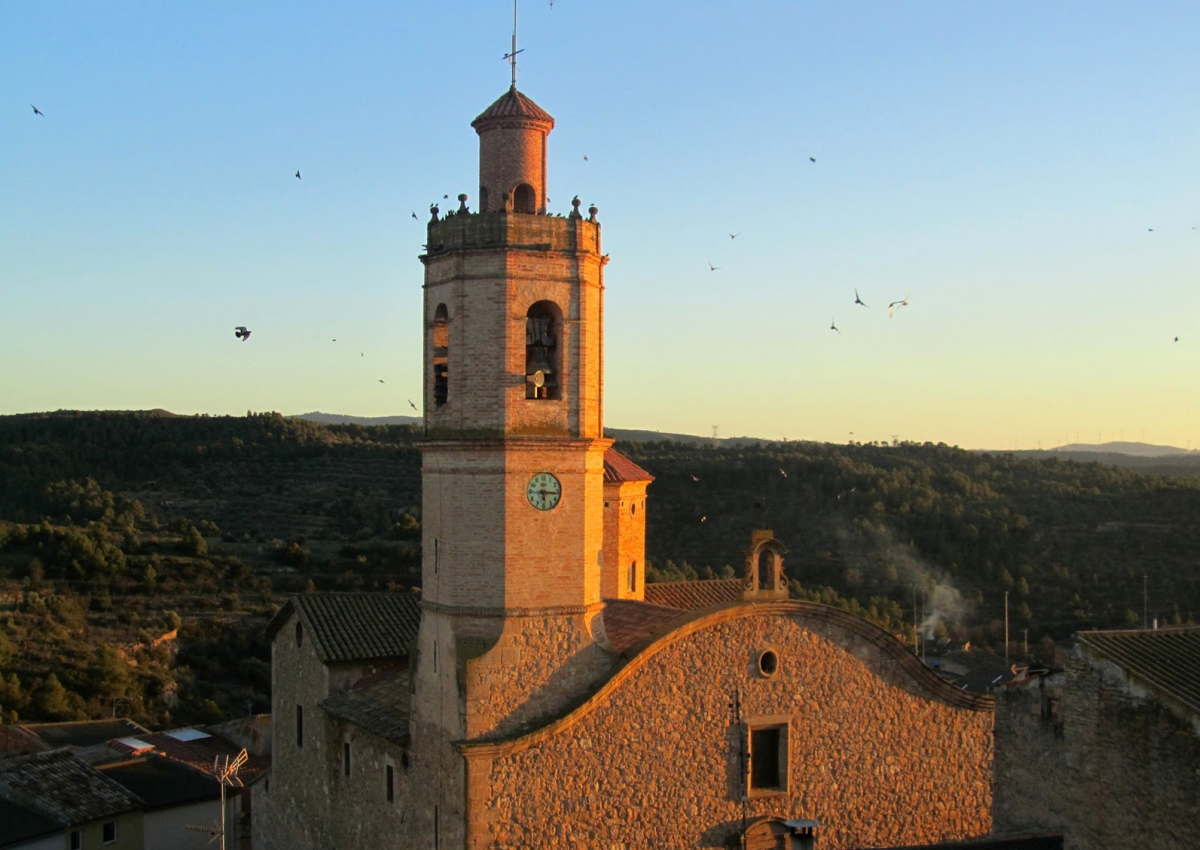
(512, 460)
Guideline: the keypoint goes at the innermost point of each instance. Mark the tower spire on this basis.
(511, 58)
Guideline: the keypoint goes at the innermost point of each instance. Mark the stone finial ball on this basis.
(463, 196)
(575, 202)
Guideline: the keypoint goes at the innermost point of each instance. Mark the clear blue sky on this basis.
(1001, 163)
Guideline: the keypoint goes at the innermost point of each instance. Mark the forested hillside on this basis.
(141, 553)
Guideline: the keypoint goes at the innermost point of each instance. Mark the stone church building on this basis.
(540, 693)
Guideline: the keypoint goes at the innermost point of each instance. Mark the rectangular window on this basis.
(767, 771)
(389, 783)
(633, 577)
(108, 832)
(76, 840)
(299, 727)
(345, 758)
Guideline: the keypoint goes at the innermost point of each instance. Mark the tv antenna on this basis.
(511, 58)
(225, 771)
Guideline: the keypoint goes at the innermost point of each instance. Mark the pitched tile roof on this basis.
(355, 626)
(62, 785)
(162, 782)
(629, 623)
(692, 595)
(378, 703)
(618, 468)
(197, 753)
(84, 733)
(512, 104)
(1165, 660)
(22, 823)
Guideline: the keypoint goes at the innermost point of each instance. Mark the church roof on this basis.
(618, 468)
(377, 703)
(630, 622)
(1165, 660)
(348, 627)
(512, 104)
(692, 595)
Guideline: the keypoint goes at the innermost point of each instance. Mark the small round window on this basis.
(768, 663)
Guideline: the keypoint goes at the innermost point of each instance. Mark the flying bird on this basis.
(783, 471)
(242, 333)
(896, 305)
(415, 216)
(694, 478)
(37, 111)
(444, 197)
(413, 406)
(585, 159)
(812, 159)
(833, 326)
(703, 518)
(858, 300)
(1177, 339)
(297, 173)
(381, 380)
(713, 268)
(734, 235)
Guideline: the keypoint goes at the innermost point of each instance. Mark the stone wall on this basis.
(1090, 755)
(880, 751)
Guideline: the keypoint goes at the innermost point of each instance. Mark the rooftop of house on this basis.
(162, 782)
(348, 627)
(378, 703)
(83, 733)
(1167, 661)
(618, 469)
(629, 622)
(693, 595)
(21, 823)
(194, 747)
(59, 784)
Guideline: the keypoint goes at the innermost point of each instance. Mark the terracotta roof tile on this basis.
(512, 104)
(618, 468)
(378, 703)
(60, 784)
(355, 626)
(692, 595)
(1166, 660)
(628, 622)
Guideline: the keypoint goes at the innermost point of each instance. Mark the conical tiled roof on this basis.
(513, 104)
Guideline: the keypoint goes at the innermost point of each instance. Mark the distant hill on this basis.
(1125, 448)
(342, 419)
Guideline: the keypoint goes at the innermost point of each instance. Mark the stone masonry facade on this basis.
(655, 759)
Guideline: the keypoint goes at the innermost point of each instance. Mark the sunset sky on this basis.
(1028, 173)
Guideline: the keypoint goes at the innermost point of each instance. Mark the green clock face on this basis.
(543, 491)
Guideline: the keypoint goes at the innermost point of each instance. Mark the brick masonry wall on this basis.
(1117, 770)
(510, 156)
(654, 759)
(624, 540)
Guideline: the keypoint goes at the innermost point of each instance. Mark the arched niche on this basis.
(764, 578)
(524, 199)
(441, 355)
(543, 351)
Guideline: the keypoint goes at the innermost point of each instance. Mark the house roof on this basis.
(628, 622)
(618, 468)
(60, 784)
(84, 733)
(692, 595)
(1165, 660)
(512, 104)
(354, 626)
(377, 703)
(22, 823)
(197, 753)
(162, 782)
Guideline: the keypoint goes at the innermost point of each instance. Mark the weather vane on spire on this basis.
(511, 58)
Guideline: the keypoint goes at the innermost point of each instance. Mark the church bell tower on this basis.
(513, 455)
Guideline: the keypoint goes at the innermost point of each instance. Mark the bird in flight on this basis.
(833, 326)
(703, 518)
(858, 300)
(812, 159)
(896, 305)
(413, 406)
(415, 217)
(734, 235)
(585, 159)
(783, 471)
(1150, 229)
(694, 478)
(1177, 339)
(37, 111)
(381, 380)
(297, 173)
(242, 333)
(713, 268)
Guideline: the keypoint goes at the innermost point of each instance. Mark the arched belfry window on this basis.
(441, 355)
(543, 360)
(764, 578)
(524, 199)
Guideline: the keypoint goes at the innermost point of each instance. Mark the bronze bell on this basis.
(538, 361)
